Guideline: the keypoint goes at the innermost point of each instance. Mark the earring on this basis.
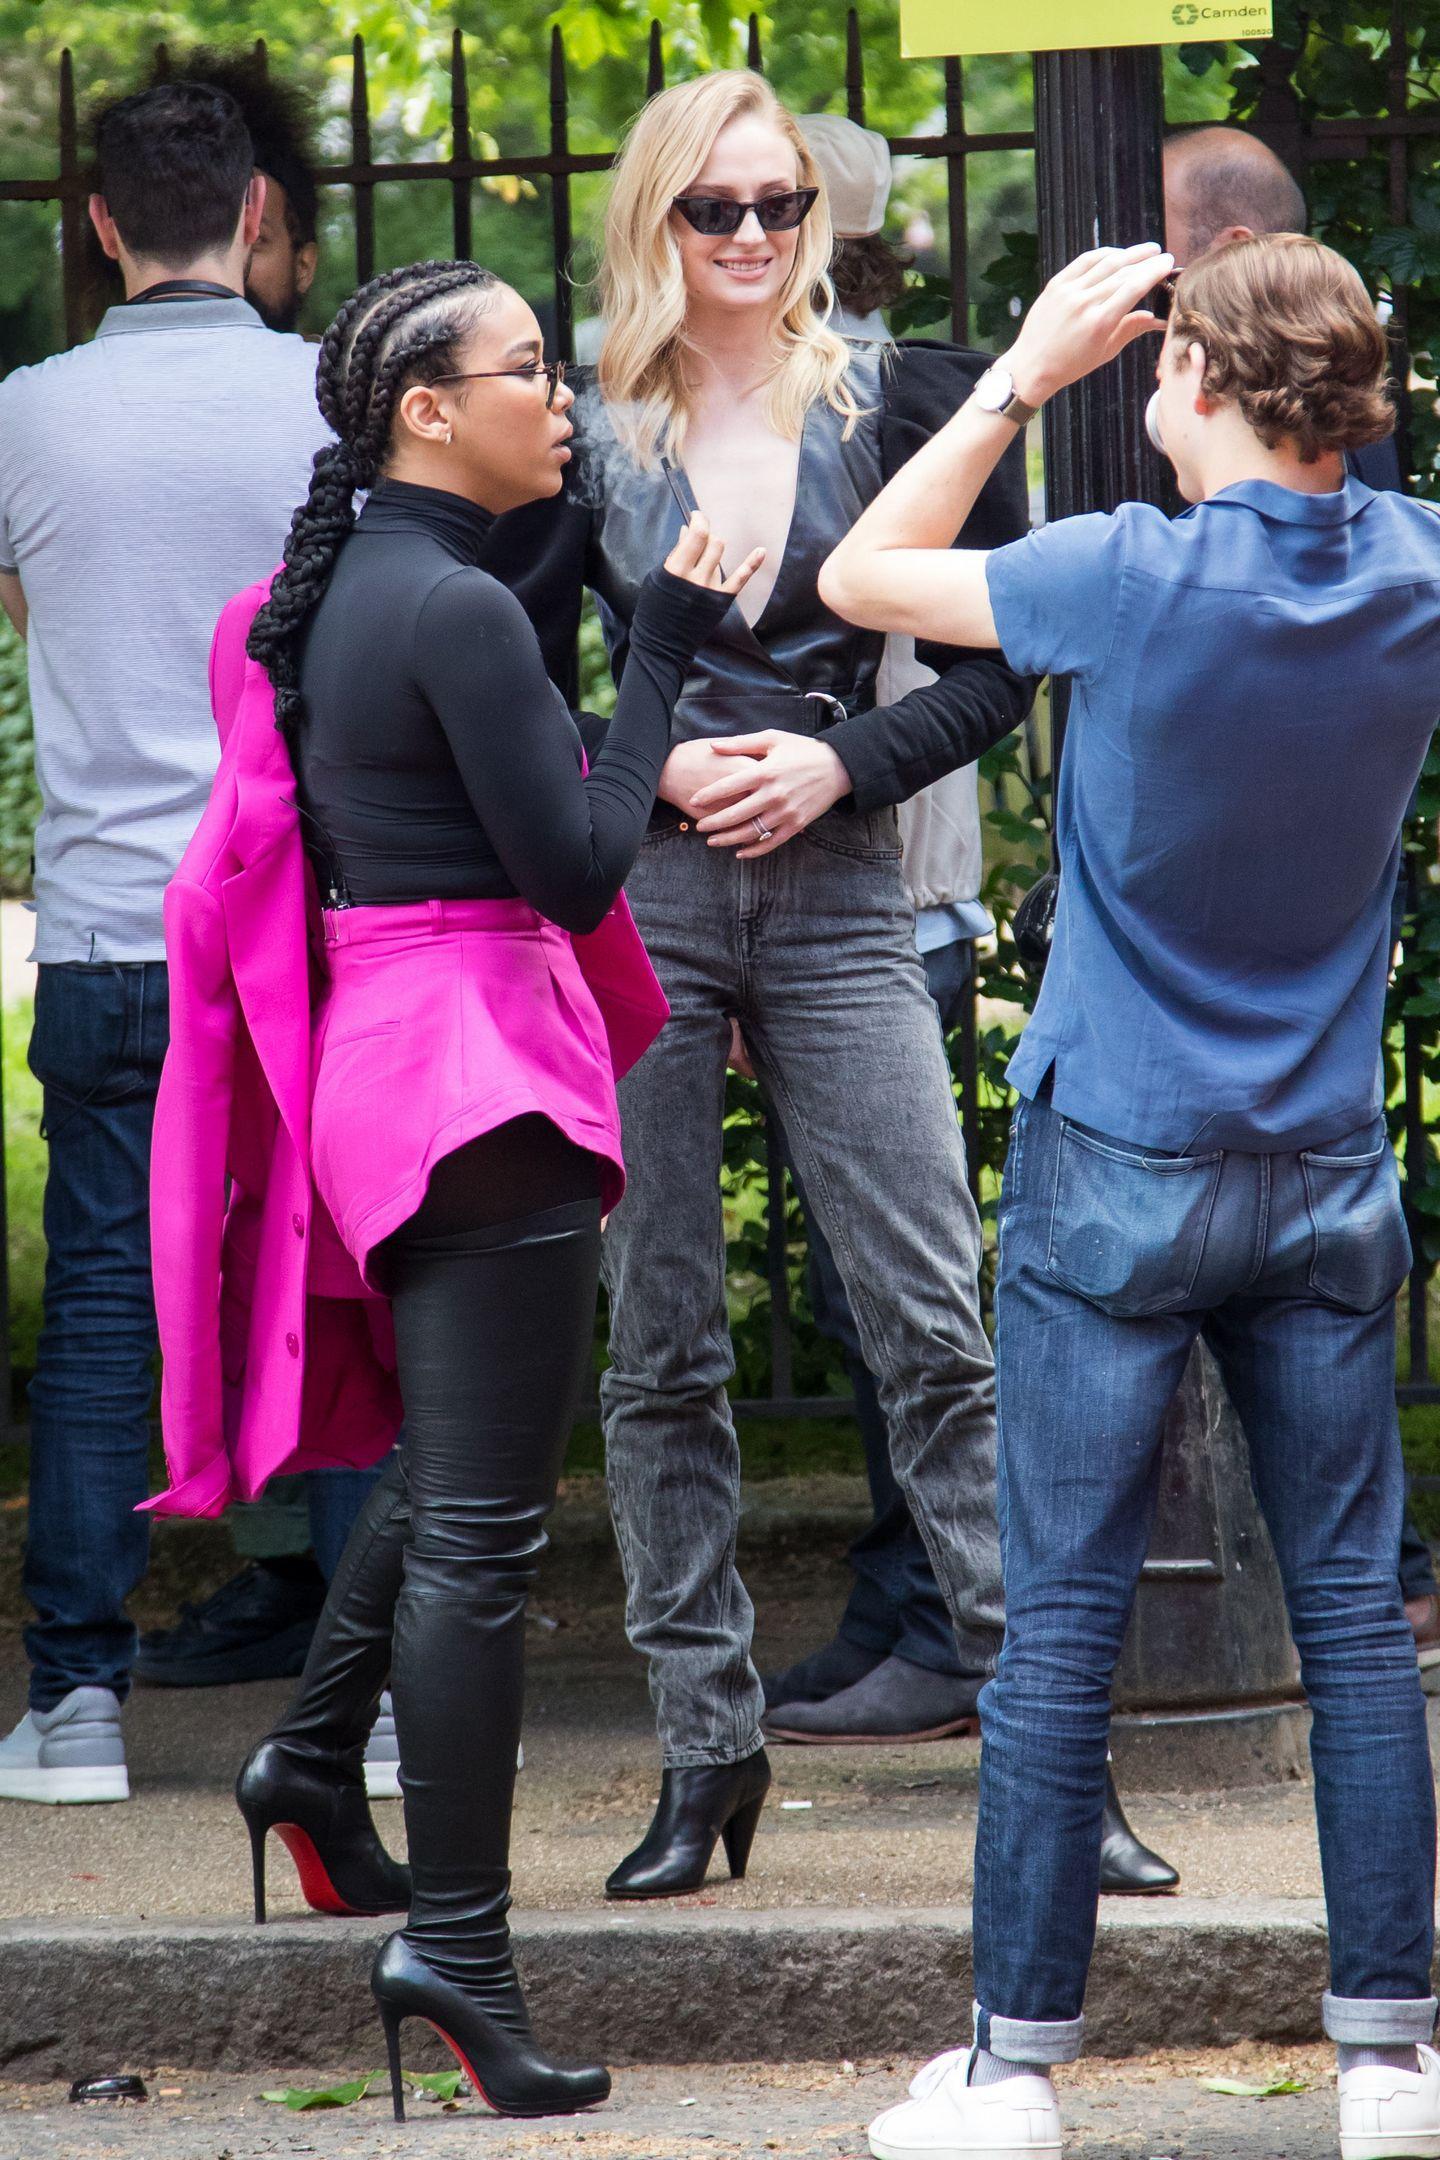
(449, 436)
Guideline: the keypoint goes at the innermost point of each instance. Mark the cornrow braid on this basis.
(393, 332)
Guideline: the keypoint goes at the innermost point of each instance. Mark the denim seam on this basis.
(1262, 1222)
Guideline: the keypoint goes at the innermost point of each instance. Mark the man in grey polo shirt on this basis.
(143, 479)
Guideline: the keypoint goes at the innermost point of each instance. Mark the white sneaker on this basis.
(382, 1754)
(73, 1752)
(1391, 2114)
(946, 2119)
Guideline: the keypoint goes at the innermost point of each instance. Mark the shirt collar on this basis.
(1289, 507)
(217, 314)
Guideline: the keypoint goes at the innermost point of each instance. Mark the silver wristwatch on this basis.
(995, 392)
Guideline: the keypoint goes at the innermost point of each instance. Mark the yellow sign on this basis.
(929, 27)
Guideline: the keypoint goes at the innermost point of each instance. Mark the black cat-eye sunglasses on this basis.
(717, 214)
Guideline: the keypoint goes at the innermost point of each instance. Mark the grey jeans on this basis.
(813, 949)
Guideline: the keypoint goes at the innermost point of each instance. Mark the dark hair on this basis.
(402, 328)
(868, 273)
(281, 120)
(173, 163)
(1289, 332)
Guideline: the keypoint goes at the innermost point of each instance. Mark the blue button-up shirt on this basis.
(1255, 688)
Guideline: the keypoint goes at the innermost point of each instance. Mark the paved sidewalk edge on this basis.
(665, 1986)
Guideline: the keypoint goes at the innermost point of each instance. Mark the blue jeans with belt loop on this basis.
(1113, 1260)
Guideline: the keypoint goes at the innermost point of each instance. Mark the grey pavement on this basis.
(1138, 2110)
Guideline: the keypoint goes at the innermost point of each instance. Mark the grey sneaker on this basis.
(382, 1754)
(73, 1752)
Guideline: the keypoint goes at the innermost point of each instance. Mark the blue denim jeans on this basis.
(98, 1042)
(1113, 1260)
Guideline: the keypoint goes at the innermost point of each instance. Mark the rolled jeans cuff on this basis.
(1377, 2020)
(1028, 2040)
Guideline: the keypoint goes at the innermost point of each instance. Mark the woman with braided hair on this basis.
(481, 984)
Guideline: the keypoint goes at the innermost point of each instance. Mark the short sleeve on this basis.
(1056, 594)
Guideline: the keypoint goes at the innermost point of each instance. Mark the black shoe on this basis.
(257, 1626)
(1128, 1868)
(825, 1672)
(697, 1808)
(896, 1702)
(498, 2055)
(322, 1816)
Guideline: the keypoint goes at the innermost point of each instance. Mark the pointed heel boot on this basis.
(1128, 1868)
(321, 1816)
(697, 1809)
(501, 2060)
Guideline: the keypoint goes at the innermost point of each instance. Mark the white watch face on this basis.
(995, 389)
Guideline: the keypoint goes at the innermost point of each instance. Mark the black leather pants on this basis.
(493, 1324)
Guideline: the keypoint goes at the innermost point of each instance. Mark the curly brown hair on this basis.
(1290, 333)
(868, 273)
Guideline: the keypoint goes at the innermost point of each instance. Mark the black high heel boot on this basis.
(306, 1780)
(1128, 1868)
(697, 1808)
(494, 2045)
(321, 1815)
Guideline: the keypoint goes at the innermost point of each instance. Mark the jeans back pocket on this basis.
(1127, 1229)
(1360, 1248)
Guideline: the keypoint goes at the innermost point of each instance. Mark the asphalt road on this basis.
(1147, 2109)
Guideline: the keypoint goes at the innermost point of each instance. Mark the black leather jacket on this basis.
(801, 667)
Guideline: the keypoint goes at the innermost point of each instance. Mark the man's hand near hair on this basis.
(895, 568)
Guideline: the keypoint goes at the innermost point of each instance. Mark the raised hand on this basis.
(1089, 312)
(696, 557)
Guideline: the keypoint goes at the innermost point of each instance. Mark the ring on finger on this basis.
(762, 831)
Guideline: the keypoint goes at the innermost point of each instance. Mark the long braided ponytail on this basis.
(403, 327)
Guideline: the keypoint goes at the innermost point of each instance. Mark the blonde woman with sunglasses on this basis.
(768, 892)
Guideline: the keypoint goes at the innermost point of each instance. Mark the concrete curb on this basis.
(692, 1985)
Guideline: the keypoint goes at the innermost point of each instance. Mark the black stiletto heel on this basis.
(390, 2019)
(738, 1836)
(320, 1814)
(697, 1808)
(492, 2043)
(257, 1867)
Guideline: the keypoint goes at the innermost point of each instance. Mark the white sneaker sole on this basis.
(382, 1781)
(1390, 2145)
(59, 1788)
(885, 2149)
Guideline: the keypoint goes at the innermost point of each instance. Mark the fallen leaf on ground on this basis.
(297, 2098)
(1240, 2091)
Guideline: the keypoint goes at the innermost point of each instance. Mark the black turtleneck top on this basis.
(435, 759)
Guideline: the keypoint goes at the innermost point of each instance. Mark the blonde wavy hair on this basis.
(645, 373)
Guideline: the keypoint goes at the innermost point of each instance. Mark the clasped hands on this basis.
(753, 792)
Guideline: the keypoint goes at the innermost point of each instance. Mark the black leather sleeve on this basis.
(892, 753)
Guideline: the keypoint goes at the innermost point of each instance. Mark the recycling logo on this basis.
(1184, 15)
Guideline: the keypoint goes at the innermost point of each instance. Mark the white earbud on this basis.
(1152, 422)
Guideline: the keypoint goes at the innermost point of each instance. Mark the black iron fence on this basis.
(1280, 118)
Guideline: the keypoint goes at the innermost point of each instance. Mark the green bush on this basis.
(19, 796)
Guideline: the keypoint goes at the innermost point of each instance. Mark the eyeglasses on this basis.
(552, 370)
(717, 214)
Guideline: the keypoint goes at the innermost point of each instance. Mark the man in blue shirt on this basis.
(1200, 1148)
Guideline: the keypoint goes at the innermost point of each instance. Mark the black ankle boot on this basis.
(1128, 1868)
(492, 2042)
(320, 1811)
(697, 1807)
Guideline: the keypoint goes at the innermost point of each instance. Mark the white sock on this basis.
(1377, 2058)
(988, 2069)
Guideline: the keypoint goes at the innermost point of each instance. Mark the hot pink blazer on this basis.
(276, 1355)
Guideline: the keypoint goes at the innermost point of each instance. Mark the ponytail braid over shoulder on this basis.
(403, 327)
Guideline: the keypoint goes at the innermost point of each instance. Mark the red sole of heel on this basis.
(316, 1887)
(475, 2084)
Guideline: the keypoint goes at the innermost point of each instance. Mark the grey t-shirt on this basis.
(144, 478)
